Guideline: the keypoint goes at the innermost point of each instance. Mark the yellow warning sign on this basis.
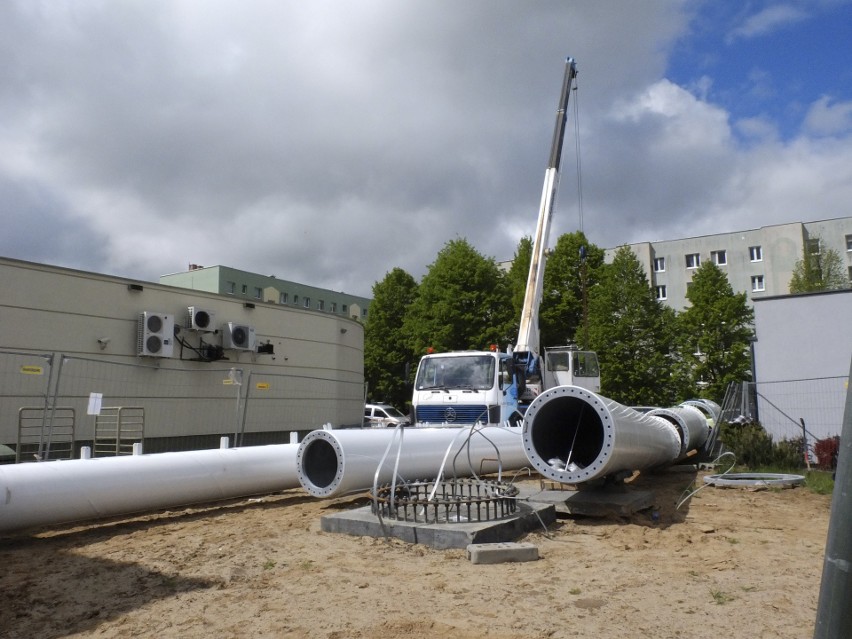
(262, 386)
(32, 370)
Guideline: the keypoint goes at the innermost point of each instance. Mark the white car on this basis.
(383, 416)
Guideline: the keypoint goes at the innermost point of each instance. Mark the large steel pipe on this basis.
(692, 427)
(339, 462)
(711, 410)
(572, 435)
(48, 493)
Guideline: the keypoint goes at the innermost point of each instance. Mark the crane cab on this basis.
(569, 366)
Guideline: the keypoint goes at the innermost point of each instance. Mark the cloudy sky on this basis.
(328, 142)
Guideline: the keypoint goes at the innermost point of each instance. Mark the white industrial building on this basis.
(802, 359)
(83, 355)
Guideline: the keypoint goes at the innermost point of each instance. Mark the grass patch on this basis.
(721, 597)
(820, 482)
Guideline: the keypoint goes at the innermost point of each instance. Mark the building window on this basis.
(334, 307)
(755, 253)
(813, 246)
(849, 243)
(244, 289)
(757, 284)
(230, 288)
(295, 299)
(661, 292)
(282, 298)
(307, 303)
(659, 265)
(720, 258)
(693, 260)
(344, 308)
(321, 305)
(258, 292)
(363, 312)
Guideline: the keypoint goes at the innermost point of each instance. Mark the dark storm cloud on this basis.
(329, 142)
(39, 227)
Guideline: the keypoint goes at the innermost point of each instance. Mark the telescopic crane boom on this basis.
(527, 347)
(495, 387)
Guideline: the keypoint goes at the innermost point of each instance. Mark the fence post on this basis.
(833, 618)
(805, 444)
(44, 447)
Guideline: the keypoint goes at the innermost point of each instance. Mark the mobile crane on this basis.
(492, 387)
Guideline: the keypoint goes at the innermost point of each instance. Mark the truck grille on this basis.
(454, 414)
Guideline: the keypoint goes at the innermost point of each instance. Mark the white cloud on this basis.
(768, 20)
(826, 117)
(328, 144)
(758, 129)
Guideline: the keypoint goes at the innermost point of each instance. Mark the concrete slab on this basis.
(362, 522)
(599, 501)
(501, 553)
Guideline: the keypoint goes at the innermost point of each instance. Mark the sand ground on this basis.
(728, 563)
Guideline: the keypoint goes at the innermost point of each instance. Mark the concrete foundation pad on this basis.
(362, 522)
(501, 553)
(594, 502)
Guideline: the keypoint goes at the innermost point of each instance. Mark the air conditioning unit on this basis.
(155, 334)
(239, 337)
(200, 319)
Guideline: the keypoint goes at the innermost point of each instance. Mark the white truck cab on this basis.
(465, 387)
(488, 387)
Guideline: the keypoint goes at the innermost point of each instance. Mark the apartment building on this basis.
(759, 262)
(253, 287)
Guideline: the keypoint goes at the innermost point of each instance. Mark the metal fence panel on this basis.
(176, 402)
(819, 402)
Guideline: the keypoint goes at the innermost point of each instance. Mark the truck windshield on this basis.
(470, 372)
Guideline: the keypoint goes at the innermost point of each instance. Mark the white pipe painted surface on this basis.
(56, 492)
(339, 462)
(572, 435)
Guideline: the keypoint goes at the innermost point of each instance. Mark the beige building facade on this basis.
(75, 347)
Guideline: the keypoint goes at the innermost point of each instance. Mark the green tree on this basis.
(716, 331)
(516, 280)
(633, 334)
(572, 271)
(462, 302)
(386, 345)
(818, 270)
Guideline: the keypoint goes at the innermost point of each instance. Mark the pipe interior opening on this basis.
(319, 463)
(568, 429)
